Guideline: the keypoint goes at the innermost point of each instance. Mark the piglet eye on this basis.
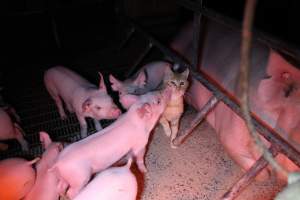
(158, 101)
(98, 107)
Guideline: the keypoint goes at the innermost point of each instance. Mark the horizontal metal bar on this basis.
(268, 133)
(261, 36)
(211, 104)
(139, 59)
(248, 177)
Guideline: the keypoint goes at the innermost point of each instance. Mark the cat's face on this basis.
(178, 81)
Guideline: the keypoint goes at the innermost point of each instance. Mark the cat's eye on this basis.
(98, 107)
(173, 83)
(181, 83)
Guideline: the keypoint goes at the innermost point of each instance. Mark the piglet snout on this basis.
(116, 112)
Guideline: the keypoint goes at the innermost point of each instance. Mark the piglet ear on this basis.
(145, 111)
(115, 83)
(186, 73)
(102, 84)
(128, 100)
(86, 105)
(140, 79)
(45, 139)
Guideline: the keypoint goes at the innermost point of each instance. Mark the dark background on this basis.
(92, 25)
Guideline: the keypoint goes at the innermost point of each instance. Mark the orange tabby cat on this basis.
(172, 114)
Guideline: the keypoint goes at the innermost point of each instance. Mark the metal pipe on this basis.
(128, 36)
(263, 37)
(211, 104)
(271, 135)
(248, 177)
(55, 32)
(139, 59)
(196, 37)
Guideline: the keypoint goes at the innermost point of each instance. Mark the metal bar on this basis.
(196, 38)
(55, 32)
(248, 177)
(271, 135)
(211, 104)
(139, 59)
(261, 36)
(128, 36)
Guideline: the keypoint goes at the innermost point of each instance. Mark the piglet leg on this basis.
(97, 125)
(19, 136)
(59, 105)
(140, 160)
(83, 126)
(70, 107)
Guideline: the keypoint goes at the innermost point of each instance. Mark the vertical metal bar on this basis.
(196, 37)
(55, 33)
(211, 104)
(248, 177)
(139, 59)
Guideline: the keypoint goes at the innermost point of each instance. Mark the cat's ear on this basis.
(186, 72)
(140, 79)
(175, 67)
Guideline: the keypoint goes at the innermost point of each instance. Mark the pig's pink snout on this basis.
(116, 112)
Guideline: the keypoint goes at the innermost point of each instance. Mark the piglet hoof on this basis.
(144, 171)
(142, 168)
(173, 145)
(63, 117)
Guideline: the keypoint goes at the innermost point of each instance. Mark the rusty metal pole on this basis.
(196, 37)
(248, 177)
(127, 38)
(211, 104)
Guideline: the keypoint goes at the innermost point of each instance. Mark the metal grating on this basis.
(38, 112)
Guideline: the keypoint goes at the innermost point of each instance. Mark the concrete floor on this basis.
(199, 169)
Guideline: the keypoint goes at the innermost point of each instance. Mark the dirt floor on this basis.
(199, 169)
